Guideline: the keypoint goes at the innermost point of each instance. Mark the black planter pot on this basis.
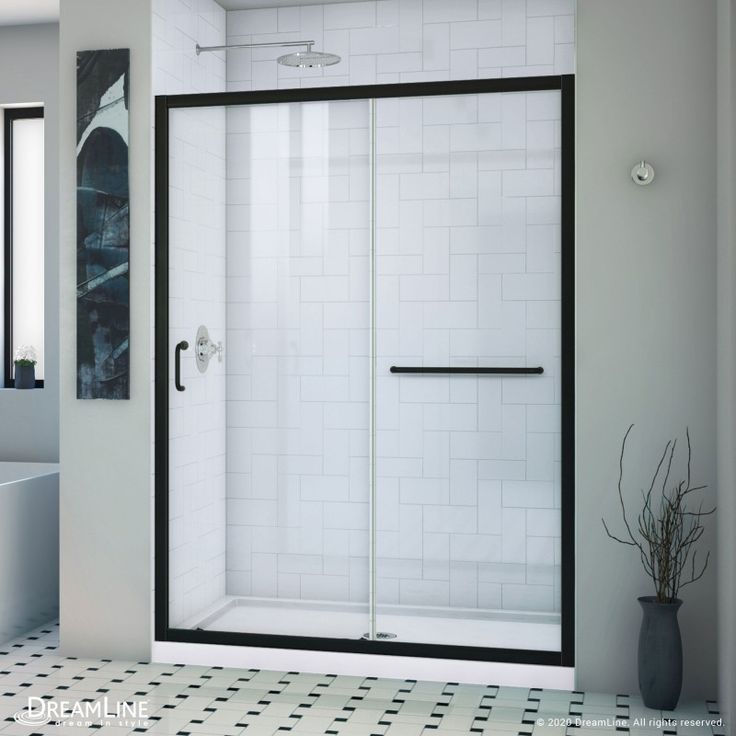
(660, 654)
(25, 376)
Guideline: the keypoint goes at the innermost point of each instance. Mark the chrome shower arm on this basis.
(199, 49)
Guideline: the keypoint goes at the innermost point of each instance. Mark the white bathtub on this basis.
(29, 546)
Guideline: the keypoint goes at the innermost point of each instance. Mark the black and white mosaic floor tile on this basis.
(215, 701)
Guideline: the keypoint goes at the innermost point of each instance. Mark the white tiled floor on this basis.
(228, 702)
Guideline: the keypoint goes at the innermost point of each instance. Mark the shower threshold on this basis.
(419, 624)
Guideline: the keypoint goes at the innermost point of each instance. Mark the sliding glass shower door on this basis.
(360, 387)
(285, 292)
(468, 369)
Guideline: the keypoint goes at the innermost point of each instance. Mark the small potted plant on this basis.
(25, 366)
(665, 533)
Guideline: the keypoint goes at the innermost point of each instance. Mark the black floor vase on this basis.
(660, 654)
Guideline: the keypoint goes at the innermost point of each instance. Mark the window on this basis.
(23, 265)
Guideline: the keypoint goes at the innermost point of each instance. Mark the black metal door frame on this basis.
(565, 84)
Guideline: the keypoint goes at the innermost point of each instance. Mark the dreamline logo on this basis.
(39, 711)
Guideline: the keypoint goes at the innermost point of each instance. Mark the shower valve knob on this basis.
(206, 349)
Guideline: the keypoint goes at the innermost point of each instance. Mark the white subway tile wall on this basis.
(197, 226)
(197, 416)
(178, 25)
(297, 360)
(468, 273)
(389, 41)
(467, 484)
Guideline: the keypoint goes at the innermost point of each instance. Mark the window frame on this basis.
(10, 115)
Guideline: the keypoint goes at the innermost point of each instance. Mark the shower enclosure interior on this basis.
(364, 369)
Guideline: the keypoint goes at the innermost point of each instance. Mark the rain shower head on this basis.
(308, 59)
(300, 59)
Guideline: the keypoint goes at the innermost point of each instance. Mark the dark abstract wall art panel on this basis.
(103, 233)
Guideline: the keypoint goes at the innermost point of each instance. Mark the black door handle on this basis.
(493, 370)
(183, 345)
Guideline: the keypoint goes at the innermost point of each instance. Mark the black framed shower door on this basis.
(563, 84)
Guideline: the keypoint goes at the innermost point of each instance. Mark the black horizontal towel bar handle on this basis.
(492, 370)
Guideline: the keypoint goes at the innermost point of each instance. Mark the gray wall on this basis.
(646, 275)
(106, 446)
(29, 63)
(727, 357)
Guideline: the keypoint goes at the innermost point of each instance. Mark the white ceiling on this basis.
(247, 4)
(17, 12)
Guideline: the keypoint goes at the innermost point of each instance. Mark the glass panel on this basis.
(28, 237)
(285, 283)
(468, 274)
(197, 415)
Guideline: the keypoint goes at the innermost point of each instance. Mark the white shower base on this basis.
(424, 625)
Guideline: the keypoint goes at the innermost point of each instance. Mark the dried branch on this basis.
(667, 531)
